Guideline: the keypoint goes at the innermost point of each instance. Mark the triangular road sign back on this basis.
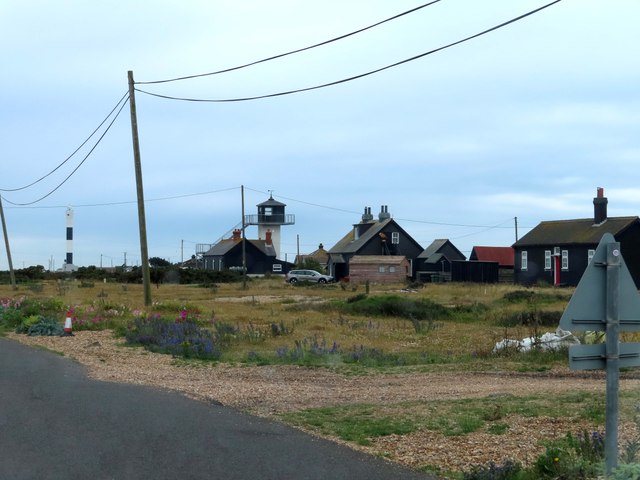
(587, 307)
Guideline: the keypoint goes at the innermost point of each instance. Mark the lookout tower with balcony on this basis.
(271, 216)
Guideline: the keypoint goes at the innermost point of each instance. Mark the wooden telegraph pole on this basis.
(144, 252)
(12, 274)
(244, 244)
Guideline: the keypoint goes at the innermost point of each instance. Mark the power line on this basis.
(70, 156)
(79, 165)
(305, 203)
(427, 222)
(356, 77)
(450, 224)
(274, 57)
(484, 230)
(127, 202)
(312, 204)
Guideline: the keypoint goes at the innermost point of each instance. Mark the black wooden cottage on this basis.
(557, 252)
(370, 237)
(434, 263)
(260, 256)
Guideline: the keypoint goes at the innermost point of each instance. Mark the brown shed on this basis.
(379, 268)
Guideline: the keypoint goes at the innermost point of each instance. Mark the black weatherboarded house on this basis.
(434, 264)
(369, 237)
(557, 252)
(227, 254)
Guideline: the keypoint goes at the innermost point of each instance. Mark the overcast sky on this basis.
(526, 121)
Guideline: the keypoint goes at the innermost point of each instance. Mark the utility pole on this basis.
(516, 222)
(244, 245)
(12, 275)
(144, 252)
(181, 251)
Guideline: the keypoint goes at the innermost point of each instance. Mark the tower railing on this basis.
(274, 219)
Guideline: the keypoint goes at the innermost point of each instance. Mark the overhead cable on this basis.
(427, 222)
(70, 156)
(127, 202)
(79, 165)
(356, 77)
(274, 57)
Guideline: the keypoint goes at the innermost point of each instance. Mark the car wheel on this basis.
(322, 280)
(293, 280)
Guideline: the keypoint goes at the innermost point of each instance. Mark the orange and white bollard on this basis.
(68, 326)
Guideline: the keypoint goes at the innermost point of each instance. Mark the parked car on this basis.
(308, 276)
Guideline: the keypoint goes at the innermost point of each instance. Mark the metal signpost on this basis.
(606, 299)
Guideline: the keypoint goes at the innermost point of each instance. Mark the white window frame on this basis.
(565, 260)
(524, 260)
(395, 238)
(547, 260)
(382, 269)
(392, 269)
(277, 268)
(590, 253)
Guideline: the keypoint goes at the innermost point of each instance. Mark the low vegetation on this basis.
(439, 327)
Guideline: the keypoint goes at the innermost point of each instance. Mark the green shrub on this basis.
(11, 317)
(626, 471)
(531, 317)
(396, 306)
(44, 326)
(519, 296)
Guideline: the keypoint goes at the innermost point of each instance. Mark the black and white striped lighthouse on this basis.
(68, 262)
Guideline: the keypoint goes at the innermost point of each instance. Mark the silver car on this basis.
(308, 276)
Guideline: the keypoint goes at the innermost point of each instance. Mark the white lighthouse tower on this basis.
(271, 216)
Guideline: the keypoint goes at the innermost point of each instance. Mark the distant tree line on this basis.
(158, 274)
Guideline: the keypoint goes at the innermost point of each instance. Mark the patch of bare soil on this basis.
(269, 390)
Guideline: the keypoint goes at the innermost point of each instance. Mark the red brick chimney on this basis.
(600, 207)
(237, 234)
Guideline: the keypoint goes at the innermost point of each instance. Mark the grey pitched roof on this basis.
(433, 248)
(377, 259)
(574, 232)
(225, 246)
(437, 247)
(435, 258)
(222, 247)
(348, 245)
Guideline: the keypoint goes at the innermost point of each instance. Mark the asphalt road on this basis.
(56, 423)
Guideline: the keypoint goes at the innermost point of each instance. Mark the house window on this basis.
(565, 259)
(381, 269)
(590, 254)
(547, 259)
(392, 269)
(523, 262)
(395, 238)
(277, 267)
